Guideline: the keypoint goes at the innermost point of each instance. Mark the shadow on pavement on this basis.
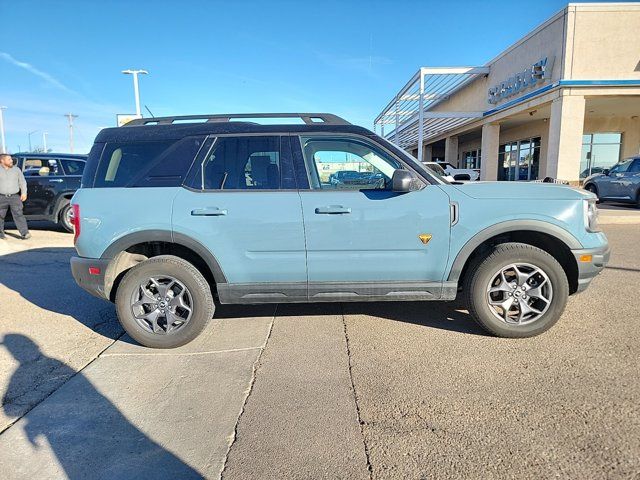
(42, 276)
(450, 316)
(87, 433)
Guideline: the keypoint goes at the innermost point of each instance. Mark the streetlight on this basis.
(4, 149)
(136, 92)
(31, 133)
(44, 141)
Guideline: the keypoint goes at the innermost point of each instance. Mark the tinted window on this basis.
(635, 167)
(170, 168)
(240, 163)
(123, 162)
(347, 164)
(73, 167)
(622, 167)
(42, 167)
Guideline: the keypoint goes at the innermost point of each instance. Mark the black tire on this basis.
(202, 304)
(63, 218)
(593, 189)
(483, 270)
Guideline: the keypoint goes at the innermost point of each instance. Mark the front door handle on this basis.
(208, 212)
(57, 180)
(333, 210)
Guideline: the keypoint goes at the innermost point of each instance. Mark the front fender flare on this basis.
(506, 227)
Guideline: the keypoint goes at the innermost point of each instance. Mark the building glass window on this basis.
(599, 151)
(471, 159)
(519, 160)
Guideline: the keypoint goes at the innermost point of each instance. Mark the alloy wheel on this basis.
(519, 293)
(162, 305)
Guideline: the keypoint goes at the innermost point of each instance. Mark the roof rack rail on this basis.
(308, 118)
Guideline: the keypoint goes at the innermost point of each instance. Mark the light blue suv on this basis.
(177, 214)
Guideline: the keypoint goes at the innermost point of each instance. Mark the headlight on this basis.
(591, 215)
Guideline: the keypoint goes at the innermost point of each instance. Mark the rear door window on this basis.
(73, 167)
(240, 163)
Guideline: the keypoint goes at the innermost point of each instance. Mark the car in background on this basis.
(435, 167)
(620, 183)
(460, 174)
(352, 178)
(52, 179)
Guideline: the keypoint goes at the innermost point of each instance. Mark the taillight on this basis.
(75, 221)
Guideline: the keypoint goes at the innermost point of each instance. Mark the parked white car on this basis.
(460, 174)
(435, 166)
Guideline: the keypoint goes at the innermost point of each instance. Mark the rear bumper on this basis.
(587, 271)
(92, 283)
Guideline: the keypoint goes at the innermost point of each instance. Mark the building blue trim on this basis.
(591, 83)
(564, 83)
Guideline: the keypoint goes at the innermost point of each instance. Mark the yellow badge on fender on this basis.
(424, 238)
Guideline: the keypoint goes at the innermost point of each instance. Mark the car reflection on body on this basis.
(352, 178)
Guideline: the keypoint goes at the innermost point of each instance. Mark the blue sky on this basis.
(344, 57)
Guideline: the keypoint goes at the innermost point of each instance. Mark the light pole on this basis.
(70, 117)
(31, 133)
(3, 146)
(136, 91)
(44, 141)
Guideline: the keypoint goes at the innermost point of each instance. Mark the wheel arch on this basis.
(136, 247)
(551, 238)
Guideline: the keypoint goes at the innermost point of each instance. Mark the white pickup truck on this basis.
(461, 174)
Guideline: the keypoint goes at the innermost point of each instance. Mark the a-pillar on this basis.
(489, 155)
(565, 138)
(451, 150)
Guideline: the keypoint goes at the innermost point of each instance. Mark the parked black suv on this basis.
(52, 179)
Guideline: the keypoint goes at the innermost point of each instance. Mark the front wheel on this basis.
(516, 291)
(592, 188)
(164, 302)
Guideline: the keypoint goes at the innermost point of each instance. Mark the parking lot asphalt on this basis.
(382, 390)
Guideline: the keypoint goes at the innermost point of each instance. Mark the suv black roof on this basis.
(78, 156)
(178, 127)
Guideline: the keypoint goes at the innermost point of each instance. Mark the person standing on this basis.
(13, 191)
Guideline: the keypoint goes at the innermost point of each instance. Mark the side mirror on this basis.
(402, 181)
(605, 172)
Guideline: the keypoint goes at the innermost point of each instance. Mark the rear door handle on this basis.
(333, 210)
(208, 212)
(58, 180)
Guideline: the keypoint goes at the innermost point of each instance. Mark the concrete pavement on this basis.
(386, 390)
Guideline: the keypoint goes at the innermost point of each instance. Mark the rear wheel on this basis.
(164, 302)
(516, 291)
(64, 218)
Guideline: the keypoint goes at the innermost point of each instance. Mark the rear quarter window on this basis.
(121, 162)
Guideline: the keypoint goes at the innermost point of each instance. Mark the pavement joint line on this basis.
(355, 394)
(6, 428)
(254, 374)
(188, 354)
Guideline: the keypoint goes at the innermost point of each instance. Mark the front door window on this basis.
(599, 151)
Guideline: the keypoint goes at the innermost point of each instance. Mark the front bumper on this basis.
(587, 270)
(92, 283)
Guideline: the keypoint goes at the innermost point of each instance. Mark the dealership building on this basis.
(562, 102)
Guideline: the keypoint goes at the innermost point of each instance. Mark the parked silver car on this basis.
(621, 183)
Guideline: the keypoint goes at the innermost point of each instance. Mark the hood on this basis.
(522, 190)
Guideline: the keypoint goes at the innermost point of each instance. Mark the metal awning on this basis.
(410, 111)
